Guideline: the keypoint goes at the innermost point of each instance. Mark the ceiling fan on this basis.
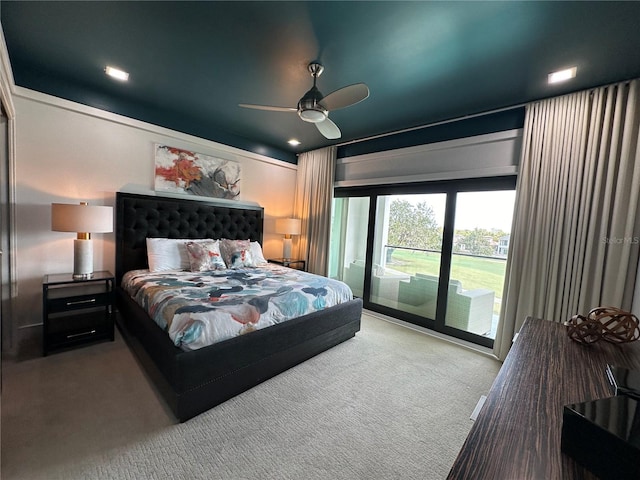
(313, 107)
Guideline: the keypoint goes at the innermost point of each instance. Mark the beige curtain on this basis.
(576, 228)
(313, 199)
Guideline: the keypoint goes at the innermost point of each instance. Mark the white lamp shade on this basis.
(288, 226)
(81, 218)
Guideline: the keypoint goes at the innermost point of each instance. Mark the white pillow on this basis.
(169, 253)
(256, 253)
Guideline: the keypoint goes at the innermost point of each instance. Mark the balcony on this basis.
(408, 281)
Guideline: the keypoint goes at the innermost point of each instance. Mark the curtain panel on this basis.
(576, 229)
(313, 203)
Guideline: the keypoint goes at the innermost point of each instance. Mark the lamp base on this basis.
(82, 276)
(82, 259)
(286, 249)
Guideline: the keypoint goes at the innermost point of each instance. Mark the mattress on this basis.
(197, 309)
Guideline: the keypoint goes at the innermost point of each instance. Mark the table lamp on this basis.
(83, 219)
(288, 227)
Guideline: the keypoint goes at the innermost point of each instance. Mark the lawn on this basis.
(472, 272)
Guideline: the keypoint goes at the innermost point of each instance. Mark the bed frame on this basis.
(193, 382)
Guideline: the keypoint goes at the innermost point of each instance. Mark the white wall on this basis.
(67, 153)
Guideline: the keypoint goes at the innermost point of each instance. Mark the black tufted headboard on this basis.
(142, 216)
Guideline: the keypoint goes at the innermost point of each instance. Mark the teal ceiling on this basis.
(192, 63)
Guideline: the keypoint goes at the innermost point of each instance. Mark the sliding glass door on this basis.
(481, 235)
(348, 244)
(432, 254)
(407, 252)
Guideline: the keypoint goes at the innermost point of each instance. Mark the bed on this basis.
(193, 381)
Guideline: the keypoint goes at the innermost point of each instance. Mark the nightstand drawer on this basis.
(64, 304)
(70, 330)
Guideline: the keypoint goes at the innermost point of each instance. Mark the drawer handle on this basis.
(79, 302)
(91, 332)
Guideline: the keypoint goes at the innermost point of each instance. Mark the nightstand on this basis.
(76, 312)
(289, 262)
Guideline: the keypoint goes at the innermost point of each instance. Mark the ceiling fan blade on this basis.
(268, 107)
(329, 129)
(345, 96)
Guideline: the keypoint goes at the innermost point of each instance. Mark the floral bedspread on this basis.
(198, 309)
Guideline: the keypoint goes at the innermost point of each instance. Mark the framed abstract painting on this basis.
(183, 171)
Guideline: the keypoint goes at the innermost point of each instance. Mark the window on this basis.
(433, 254)
(348, 244)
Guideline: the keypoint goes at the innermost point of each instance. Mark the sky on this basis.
(488, 210)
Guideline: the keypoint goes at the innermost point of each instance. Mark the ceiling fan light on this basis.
(312, 115)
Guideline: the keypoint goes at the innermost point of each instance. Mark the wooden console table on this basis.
(518, 430)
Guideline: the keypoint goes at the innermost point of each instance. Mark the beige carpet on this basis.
(390, 403)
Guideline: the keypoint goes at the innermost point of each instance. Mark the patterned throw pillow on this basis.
(236, 253)
(205, 256)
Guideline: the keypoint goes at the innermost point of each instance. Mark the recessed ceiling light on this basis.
(293, 142)
(116, 73)
(562, 75)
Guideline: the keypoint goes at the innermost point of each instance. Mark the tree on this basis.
(413, 226)
(477, 241)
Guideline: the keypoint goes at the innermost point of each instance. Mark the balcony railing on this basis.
(464, 254)
(472, 275)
